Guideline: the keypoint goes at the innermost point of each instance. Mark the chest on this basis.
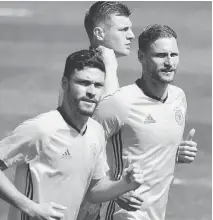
(67, 156)
(154, 124)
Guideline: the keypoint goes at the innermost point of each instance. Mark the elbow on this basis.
(92, 199)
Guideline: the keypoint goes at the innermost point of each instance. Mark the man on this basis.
(145, 121)
(109, 27)
(108, 24)
(59, 154)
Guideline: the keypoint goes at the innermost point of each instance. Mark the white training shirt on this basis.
(55, 162)
(148, 131)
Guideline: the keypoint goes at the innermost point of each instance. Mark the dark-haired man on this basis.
(108, 24)
(60, 154)
(109, 28)
(145, 122)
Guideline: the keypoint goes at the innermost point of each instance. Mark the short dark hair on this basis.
(153, 32)
(82, 59)
(100, 11)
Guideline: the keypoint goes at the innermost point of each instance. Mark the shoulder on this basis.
(123, 94)
(178, 95)
(40, 125)
(94, 125)
(116, 104)
(176, 91)
(95, 131)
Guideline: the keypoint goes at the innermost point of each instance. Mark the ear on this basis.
(140, 56)
(64, 83)
(98, 33)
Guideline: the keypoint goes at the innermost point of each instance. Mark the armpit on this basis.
(3, 166)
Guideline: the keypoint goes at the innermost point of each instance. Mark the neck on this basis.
(154, 87)
(94, 44)
(97, 44)
(74, 118)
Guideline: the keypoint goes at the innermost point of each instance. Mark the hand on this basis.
(109, 58)
(133, 174)
(187, 149)
(130, 201)
(47, 211)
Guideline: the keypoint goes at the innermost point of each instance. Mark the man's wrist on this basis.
(28, 207)
(127, 184)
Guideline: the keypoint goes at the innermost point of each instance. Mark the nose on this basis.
(130, 34)
(91, 91)
(168, 61)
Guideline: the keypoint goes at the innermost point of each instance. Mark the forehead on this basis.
(89, 73)
(164, 45)
(120, 21)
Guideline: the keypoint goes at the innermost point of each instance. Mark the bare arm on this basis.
(105, 189)
(111, 81)
(10, 194)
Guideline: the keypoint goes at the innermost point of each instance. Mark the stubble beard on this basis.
(85, 111)
(162, 78)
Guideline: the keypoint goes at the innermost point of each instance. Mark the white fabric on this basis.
(148, 131)
(54, 162)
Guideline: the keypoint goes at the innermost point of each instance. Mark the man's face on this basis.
(118, 35)
(84, 90)
(161, 59)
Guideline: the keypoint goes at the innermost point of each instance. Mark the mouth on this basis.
(89, 101)
(128, 45)
(168, 71)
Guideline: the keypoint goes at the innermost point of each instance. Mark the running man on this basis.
(108, 24)
(60, 154)
(145, 121)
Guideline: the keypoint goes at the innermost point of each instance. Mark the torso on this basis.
(64, 168)
(150, 135)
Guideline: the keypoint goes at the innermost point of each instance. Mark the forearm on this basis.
(106, 190)
(111, 81)
(10, 194)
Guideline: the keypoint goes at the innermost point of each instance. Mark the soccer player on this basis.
(108, 24)
(60, 154)
(145, 121)
(109, 29)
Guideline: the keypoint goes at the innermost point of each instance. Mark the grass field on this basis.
(35, 39)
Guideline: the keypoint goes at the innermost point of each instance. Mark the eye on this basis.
(84, 83)
(99, 85)
(124, 29)
(161, 55)
(174, 54)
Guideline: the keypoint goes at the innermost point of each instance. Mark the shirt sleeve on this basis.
(21, 146)
(110, 114)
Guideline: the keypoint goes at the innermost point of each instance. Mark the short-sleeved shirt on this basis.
(55, 162)
(149, 132)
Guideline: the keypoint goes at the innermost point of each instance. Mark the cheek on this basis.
(76, 91)
(114, 39)
(176, 61)
(154, 64)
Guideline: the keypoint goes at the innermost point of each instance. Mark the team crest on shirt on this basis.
(179, 117)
